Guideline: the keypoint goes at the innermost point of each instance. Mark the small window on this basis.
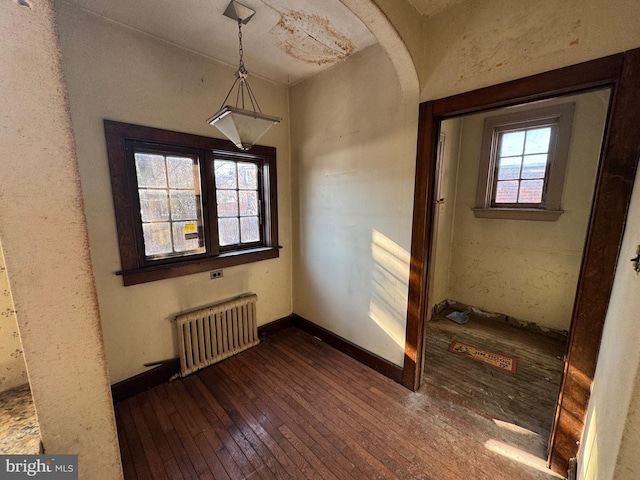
(238, 196)
(523, 162)
(170, 202)
(186, 203)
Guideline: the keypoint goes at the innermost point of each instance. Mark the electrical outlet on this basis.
(216, 274)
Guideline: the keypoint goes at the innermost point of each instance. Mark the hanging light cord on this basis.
(242, 76)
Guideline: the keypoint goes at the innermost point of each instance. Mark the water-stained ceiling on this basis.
(285, 41)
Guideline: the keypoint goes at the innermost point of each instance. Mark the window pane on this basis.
(150, 170)
(228, 231)
(247, 176)
(250, 229)
(507, 192)
(157, 238)
(225, 173)
(227, 203)
(181, 172)
(154, 205)
(509, 168)
(248, 203)
(534, 166)
(184, 205)
(531, 191)
(186, 238)
(538, 140)
(511, 144)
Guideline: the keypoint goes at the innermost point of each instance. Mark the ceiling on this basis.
(431, 7)
(285, 41)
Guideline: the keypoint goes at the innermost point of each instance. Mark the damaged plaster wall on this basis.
(479, 43)
(44, 239)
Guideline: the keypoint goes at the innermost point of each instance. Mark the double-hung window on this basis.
(186, 203)
(523, 162)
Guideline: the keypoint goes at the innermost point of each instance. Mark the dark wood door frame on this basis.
(614, 183)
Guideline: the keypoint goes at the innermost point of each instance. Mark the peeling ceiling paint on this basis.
(311, 39)
(286, 40)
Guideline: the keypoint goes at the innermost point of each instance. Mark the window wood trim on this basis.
(550, 210)
(125, 203)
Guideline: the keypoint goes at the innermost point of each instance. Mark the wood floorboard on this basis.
(234, 433)
(315, 402)
(526, 399)
(265, 425)
(358, 418)
(249, 427)
(127, 459)
(299, 440)
(140, 464)
(299, 423)
(143, 414)
(237, 464)
(294, 407)
(177, 448)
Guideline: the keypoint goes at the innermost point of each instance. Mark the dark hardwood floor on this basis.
(294, 407)
(521, 405)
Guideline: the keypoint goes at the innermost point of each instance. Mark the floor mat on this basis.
(496, 360)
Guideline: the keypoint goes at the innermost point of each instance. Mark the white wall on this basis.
(44, 239)
(120, 74)
(526, 269)
(353, 153)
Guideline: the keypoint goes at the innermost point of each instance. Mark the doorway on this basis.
(517, 272)
(614, 183)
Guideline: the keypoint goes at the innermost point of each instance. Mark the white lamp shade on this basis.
(242, 127)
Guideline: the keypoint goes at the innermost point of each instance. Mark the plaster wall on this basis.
(13, 371)
(353, 151)
(478, 43)
(44, 240)
(526, 269)
(121, 74)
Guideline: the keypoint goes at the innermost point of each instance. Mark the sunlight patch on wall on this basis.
(388, 306)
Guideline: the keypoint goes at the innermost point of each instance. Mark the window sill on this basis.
(187, 267)
(518, 214)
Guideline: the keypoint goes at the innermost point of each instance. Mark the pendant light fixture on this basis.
(239, 124)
